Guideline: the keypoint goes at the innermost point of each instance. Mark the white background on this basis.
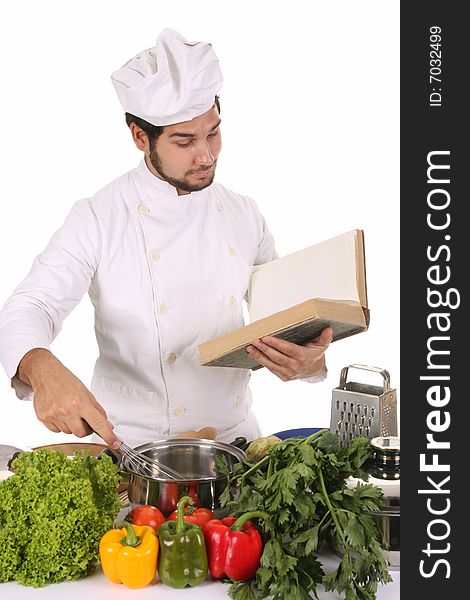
(310, 109)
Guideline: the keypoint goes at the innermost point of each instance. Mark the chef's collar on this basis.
(158, 185)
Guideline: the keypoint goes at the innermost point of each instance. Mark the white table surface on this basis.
(98, 586)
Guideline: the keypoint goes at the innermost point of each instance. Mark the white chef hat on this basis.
(173, 82)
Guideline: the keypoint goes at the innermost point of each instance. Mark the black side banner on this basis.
(435, 261)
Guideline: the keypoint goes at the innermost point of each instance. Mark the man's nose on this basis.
(204, 154)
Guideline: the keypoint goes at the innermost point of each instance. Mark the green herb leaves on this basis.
(301, 484)
(53, 512)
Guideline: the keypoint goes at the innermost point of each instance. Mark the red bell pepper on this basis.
(234, 546)
(197, 516)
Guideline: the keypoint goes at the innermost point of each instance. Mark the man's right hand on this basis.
(61, 401)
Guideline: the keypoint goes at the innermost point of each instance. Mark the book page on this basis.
(326, 270)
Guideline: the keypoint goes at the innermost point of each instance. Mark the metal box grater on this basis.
(360, 409)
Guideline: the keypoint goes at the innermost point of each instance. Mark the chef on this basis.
(164, 253)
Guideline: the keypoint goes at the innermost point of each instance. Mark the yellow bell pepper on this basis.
(129, 555)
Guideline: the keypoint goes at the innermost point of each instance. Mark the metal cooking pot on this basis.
(384, 468)
(388, 524)
(387, 519)
(195, 459)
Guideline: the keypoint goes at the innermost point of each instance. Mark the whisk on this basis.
(146, 466)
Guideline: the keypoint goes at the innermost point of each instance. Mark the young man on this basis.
(164, 254)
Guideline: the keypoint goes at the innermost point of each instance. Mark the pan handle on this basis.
(114, 456)
(240, 442)
(12, 458)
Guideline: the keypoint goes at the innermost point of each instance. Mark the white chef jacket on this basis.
(164, 273)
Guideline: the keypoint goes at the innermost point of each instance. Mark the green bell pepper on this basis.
(183, 558)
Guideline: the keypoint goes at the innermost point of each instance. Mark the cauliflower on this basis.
(260, 447)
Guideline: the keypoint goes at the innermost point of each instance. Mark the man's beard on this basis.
(180, 184)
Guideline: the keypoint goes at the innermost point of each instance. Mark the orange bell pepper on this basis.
(129, 555)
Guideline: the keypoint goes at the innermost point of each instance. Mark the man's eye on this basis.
(211, 135)
(184, 144)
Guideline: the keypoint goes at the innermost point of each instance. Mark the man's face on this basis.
(186, 154)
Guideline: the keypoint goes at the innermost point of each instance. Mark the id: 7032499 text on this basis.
(435, 66)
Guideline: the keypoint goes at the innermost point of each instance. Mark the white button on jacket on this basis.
(148, 309)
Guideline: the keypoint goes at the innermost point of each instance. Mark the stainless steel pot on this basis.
(388, 524)
(195, 459)
(384, 468)
(387, 519)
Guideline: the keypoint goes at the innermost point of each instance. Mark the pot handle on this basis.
(12, 458)
(240, 442)
(113, 455)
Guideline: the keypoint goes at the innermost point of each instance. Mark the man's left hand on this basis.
(290, 361)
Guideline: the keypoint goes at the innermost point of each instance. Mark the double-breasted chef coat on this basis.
(164, 273)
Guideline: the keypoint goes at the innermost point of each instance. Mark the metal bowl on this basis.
(195, 459)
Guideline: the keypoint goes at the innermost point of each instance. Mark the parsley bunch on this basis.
(301, 484)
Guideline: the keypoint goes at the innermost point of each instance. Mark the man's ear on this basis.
(141, 139)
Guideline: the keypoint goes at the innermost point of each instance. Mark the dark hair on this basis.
(153, 131)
